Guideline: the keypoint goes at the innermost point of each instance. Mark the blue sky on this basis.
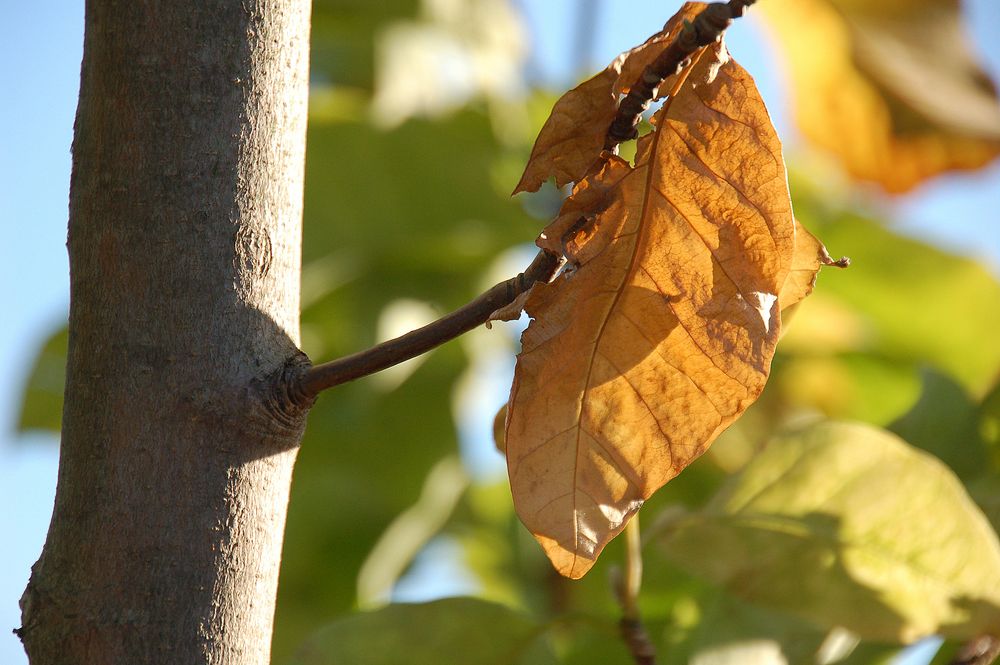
(40, 48)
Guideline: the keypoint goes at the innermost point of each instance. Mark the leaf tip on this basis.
(526, 185)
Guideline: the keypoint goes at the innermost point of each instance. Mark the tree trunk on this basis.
(184, 245)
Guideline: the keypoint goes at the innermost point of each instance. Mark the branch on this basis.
(412, 344)
(706, 28)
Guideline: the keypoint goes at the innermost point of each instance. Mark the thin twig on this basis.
(421, 340)
(705, 29)
(631, 628)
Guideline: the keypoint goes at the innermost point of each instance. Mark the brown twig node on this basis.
(706, 28)
(637, 640)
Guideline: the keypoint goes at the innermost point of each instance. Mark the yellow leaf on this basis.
(890, 88)
(663, 330)
(847, 525)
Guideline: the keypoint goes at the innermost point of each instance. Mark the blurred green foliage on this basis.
(443, 631)
(905, 339)
(43, 394)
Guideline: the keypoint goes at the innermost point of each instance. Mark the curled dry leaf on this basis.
(663, 332)
(509, 312)
(891, 88)
(633, 62)
(499, 439)
(573, 136)
(807, 258)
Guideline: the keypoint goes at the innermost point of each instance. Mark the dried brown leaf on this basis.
(590, 196)
(499, 437)
(664, 332)
(637, 59)
(809, 255)
(509, 312)
(573, 136)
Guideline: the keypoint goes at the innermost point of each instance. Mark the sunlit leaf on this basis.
(569, 141)
(846, 525)
(892, 89)
(663, 332)
(453, 630)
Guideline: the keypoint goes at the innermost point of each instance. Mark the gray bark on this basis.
(184, 244)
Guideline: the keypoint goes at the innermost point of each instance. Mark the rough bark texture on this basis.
(184, 243)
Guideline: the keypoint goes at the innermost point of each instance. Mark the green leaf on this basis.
(989, 423)
(417, 198)
(452, 630)
(43, 394)
(904, 301)
(411, 531)
(945, 423)
(856, 348)
(362, 463)
(846, 525)
(731, 632)
(408, 213)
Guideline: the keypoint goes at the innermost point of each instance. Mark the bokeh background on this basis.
(422, 113)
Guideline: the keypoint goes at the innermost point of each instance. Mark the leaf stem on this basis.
(327, 375)
(630, 626)
(632, 578)
(705, 29)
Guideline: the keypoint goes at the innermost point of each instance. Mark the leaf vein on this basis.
(739, 192)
